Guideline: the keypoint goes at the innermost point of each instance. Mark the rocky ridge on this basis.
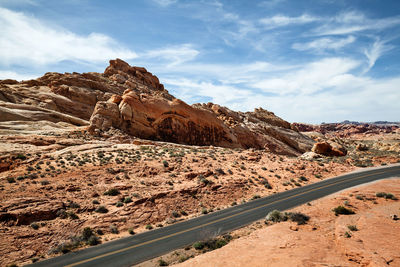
(345, 130)
(133, 100)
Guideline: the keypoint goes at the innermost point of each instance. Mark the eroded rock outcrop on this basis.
(329, 149)
(157, 118)
(133, 100)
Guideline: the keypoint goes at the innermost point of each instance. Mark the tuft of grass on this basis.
(198, 245)
(112, 192)
(298, 217)
(386, 195)
(114, 229)
(127, 200)
(303, 178)
(342, 210)
(347, 235)
(352, 227)
(162, 262)
(101, 209)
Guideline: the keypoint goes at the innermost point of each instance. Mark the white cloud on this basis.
(18, 2)
(353, 22)
(377, 49)
(174, 55)
(321, 92)
(31, 41)
(165, 3)
(322, 44)
(281, 20)
(310, 79)
(16, 76)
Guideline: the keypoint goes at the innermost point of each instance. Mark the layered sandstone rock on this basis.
(329, 149)
(157, 118)
(346, 130)
(133, 100)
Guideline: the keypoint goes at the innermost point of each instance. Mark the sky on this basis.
(307, 61)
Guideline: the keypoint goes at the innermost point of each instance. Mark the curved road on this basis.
(135, 249)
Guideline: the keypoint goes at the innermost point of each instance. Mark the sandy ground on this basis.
(323, 241)
(58, 180)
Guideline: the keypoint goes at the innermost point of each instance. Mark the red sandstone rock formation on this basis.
(133, 100)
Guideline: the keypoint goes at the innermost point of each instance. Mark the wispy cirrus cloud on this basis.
(377, 49)
(351, 22)
(282, 20)
(165, 3)
(322, 44)
(314, 92)
(31, 41)
(173, 55)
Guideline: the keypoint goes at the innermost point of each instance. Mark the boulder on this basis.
(326, 149)
(310, 155)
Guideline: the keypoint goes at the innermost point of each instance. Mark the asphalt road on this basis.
(138, 248)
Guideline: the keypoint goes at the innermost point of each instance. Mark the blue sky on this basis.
(308, 61)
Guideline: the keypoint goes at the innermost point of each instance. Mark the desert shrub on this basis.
(44, 182)
(87, 232)
(101, 209)
(165, 163)
(255, 197)
(342, 210)
(10, 180)
(220, 171)
(62, 213)
(347, 235)
(352, 227)
(380, 194)
(298, 217)
(131, 231)
(302, 178)
(95, 201)
(204, 211)
(183, 258)
(198, 245)
(175, 214)
(72, 215)
(184, 213)
(21, 157)
(93, 240)
(204, 180)
(215, 243)
(275, 216)
(359, 197)
(149, 227)
(114, 229)
(119, 204)
(390, 196)
(162, 262)
(112, 192)
(127, 200)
